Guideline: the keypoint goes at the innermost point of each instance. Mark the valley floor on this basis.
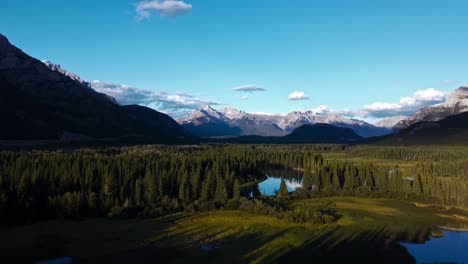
(367, 231)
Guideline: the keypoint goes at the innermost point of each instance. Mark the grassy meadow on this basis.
(364, 225)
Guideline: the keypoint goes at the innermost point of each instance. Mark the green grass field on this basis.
(368, 230)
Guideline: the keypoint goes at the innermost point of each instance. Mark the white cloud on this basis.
(322, 110)
(248, 88)
(297, 95)
(176, 105)
(165, 8)
(293, 184)
(406, 106)
(243, 97)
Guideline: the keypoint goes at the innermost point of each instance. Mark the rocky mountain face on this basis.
(40, 100)
(389, 122)
(57, 68)
(456, 103)
(242, 123)
(452, 130)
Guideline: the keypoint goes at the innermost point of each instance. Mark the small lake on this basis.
(451, 248)
(269, 186)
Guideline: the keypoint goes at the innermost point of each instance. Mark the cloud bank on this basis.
(406, 106)
(165, 8)
(248, 88)
(176, 105)
(297, 95)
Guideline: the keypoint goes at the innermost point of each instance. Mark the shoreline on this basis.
(453, 229)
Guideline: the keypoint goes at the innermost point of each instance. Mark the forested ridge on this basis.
(157, 180)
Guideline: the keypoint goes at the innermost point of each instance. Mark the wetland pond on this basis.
(271, 185)
(451, 248)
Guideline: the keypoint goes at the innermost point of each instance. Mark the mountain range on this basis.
(209, 122)
(41, 101)
(229, 122)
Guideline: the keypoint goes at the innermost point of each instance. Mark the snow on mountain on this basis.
(203, 115)
(456, 103)
(274, 125)
(389, 122)
(233, 113)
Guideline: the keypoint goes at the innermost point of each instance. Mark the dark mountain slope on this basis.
(321, 133)
(38, 103)
(305, 134)
(452, 130)
(156, 125)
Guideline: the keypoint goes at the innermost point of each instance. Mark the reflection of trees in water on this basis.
(288, 174)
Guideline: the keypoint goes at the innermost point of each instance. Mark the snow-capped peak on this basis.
(263, 124)
(205, 111)
(233, 113)
(207, 108)
(389, 122)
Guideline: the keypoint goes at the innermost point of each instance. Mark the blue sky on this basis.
(179, 54)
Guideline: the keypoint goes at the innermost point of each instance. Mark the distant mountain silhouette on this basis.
(321, 133)
(305, 134)
(40, 103)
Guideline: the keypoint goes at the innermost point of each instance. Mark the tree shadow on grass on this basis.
(327, 245)
(164, 240)
(341, 246)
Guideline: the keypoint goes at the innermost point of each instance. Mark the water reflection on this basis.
(451, 248)
(271, 185)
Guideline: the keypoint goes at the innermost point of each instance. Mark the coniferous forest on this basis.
(153, 181)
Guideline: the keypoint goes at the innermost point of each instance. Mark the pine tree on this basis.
(307, 181)
(150, 187)
(236, 190)
(221, 192)
(184, 193)
(207, 188)
(283, 190)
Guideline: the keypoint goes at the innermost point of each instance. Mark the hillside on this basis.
(452, 130)
(321, 133)
(305, 134)
(42, 103)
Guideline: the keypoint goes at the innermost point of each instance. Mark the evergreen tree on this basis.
(283, 190)
(150, 187)
(307, 181)
(236, 193)
(221, 194)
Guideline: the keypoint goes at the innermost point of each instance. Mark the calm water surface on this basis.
(269, 186)
(451, 248)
